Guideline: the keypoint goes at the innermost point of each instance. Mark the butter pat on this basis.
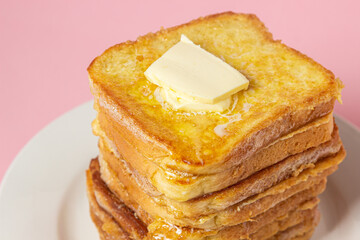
(183, 104)
(190, 75)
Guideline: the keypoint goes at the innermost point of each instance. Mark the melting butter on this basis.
(220, 129)
(184, 104)
(191, 78)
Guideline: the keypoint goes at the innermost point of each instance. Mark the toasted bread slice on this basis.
(201, 211)
(118, 217)
(287, 90)
(249, 208)
(291, 191)
(249, 230)
(182, 187)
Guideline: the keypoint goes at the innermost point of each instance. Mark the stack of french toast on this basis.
(253, 171)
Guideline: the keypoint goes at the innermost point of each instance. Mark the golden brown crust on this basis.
(162, 32)
(240, 213)
(180, 186)
(228, 197)
(107, 227)
(111, 231)
(111, 204)
(246, 209)
(280, 235)
(289, 216)
(146, 125)
(165, 231)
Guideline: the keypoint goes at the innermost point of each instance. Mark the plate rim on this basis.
(32, 139)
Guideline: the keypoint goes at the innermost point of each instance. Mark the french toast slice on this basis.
(219, 201)
(260, 228)
(182, 186)
(287, 90)
(110, 233)
(234, 214)
(241, 231)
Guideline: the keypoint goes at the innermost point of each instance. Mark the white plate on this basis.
(42, 196)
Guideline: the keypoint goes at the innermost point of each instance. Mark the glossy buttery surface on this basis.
(281, 81)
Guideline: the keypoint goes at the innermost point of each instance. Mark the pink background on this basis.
(46, 46)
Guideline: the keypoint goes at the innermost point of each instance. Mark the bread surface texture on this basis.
(287, 90)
